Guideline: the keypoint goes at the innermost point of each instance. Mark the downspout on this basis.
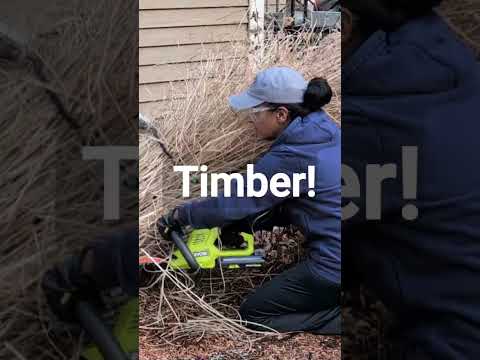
(256, 23)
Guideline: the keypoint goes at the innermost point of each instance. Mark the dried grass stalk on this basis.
(464, 18)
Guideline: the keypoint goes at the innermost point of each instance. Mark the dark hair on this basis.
(318, 94)
(390, 14)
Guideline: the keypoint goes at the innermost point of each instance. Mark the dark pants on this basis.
(296, 300)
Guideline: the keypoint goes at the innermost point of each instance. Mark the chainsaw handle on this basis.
(96, 329)
(187, 254)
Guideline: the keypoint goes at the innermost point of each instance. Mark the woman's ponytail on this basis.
(318, 94)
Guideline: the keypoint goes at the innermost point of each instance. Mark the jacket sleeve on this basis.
(115, 259)
(220, 211)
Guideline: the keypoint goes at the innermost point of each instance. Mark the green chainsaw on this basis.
(202, 249)
(119, 342)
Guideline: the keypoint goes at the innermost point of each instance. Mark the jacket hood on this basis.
(422, 57)
(316, 128)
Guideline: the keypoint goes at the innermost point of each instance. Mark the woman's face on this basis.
(269, 123)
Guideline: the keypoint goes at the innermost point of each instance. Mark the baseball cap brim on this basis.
(243, 101)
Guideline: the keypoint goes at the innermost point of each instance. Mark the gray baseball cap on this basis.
(277, 85)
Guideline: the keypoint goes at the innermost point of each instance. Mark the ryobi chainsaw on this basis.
(117, 342)
(202, 249)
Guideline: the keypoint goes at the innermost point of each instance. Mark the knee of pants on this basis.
(248, 313)
(332, 324)
(245, 310)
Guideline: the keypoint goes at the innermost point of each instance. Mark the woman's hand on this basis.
(168, 223)
(65, 283)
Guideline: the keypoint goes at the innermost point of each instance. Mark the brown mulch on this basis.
(298, 347)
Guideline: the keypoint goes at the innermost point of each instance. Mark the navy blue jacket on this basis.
(313, 140)
(419, 86)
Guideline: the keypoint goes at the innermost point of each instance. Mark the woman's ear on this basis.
(281, 115)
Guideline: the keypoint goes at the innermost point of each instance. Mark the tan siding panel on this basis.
(151, 109)
(191, 17)
(160, 91)
(168, 72)
(184, 53)
(184, 4)
(160, 73)
(163, 82)
(156, 109)
(192, 35)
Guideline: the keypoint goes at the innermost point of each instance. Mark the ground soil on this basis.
(298, 347)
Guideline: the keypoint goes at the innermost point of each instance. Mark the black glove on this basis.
(266, 220)
(168, 223)
(230, 234)
(64, 284)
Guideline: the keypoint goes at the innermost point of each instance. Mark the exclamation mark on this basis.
(311, 180)
(409, 172)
